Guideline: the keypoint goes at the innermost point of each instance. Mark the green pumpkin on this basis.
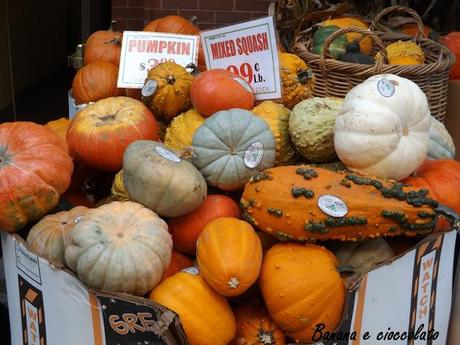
(231, 146)
(338, 46)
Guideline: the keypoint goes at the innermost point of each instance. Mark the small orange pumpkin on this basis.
(254, 326)
(219, 89)
(302, 288)
(229, 254)
(178, 262)
(59, 127)
(205, 315)
(103, 46)
(185, 230)
(96, 81)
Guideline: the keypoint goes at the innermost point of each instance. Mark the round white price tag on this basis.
(149, 88)
(167, 154)
(253, 154)
(191, 270)
(386, 87)
(332, 205)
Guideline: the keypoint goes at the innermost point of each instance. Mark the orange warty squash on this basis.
(48, 237)
(35, 169)
(178, 262)
(306, 203)
(96, 81)
(229, 254)
(205, 315)
(441, 178)
(99, 134)
(103, 46)
(219, 89)
(254, 326)
(59, 127)
(301, 288)
(185, 230)
(178, 25)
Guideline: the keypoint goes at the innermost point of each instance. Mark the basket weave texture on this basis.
(335, 78)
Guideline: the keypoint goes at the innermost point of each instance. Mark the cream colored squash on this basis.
(441, 145)
(158, 179)
(48, 237)
(382, 129)
(120, 247)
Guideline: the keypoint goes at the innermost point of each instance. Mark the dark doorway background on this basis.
(34, 45)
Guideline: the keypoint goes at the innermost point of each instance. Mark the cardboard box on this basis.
(49, 306)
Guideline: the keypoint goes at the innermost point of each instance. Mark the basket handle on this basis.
(400, 9)
(378, 42)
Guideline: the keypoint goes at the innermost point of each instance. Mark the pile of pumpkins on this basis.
(216, 200)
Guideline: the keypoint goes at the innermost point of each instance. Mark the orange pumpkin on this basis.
(96, 81)
(59, 127)
(205, 315)
(452, 41)
(229, 254)
(103, 46)
(99, 134)
(441, 178)
(218, 89)
(301, 288)
(178, 25)
(178, 262)
(411, 29)
(185, 230)
(35, 169)
(254, 326)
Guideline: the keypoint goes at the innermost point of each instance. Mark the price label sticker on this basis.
(167, 154)
(253, 154)
(386, 87)
(332, 205)
(248, 50)
(141, 51)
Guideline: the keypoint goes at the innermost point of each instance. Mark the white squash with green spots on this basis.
(231, 146)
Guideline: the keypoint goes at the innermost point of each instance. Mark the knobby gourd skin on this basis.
(283, 201)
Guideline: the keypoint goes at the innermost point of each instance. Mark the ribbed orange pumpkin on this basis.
(99, 134)
(302, 288)
(219, 89)
(205, 315)
(185, 230)
(35, 169)
(229, 254)
(178, 262)
(255, 327)
(103, 46)
(48, 237)
(178, 25)
(96, 81)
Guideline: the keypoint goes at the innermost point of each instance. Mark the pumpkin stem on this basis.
(192, 69)
(345, 269)
(265, 338)
(112, 24)
(233, 283)
(171, 80)
(193, 20)
(304, 76)
(185, 153)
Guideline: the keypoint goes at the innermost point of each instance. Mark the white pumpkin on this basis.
(441, 145)
(119, 247)
(48, 237)
(160, 180)
(382, 129)
(231, 146)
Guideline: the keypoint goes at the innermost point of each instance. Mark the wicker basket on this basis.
(336, 78)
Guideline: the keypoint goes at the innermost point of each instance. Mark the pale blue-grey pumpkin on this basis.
(441, 144)
(231, 146)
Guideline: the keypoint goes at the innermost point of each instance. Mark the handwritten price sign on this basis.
(249, 50)
(141, 51)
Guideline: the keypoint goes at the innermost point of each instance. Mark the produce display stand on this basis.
(184, 211)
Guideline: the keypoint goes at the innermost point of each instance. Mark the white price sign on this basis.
(141, 51)
(249, 50)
